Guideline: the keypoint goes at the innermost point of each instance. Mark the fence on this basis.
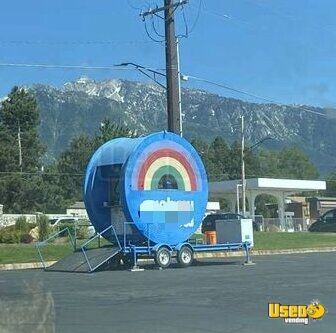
(277, 225)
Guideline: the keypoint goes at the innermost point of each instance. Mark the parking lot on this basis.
(211, 296)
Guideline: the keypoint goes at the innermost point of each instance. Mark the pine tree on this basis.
(20, 143)
(219, 153)
(72, 163)
(20, 153)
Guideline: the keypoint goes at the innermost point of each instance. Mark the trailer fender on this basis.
(159, 246)
(178, 247)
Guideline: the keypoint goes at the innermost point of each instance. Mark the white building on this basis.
(279, 188)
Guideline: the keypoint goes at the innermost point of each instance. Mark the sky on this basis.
(284, 50)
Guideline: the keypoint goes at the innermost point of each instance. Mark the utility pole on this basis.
(172, 62)
(172, 75)
(179, 86)
(243, 166)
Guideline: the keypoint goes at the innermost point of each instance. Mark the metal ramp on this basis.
(90, 262)
(85, 259)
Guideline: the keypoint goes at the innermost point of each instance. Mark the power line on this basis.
(54, 66)
(160, 41)
(156, 30)
(219, 15)
(228, 18)
(266, 99)
(316, 25)
(89, 42)
(40, 173)
(61, 66)
(191, 29)
(186, 33)
(229, 88)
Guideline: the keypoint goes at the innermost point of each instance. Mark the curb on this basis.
(26, 265)
(264, 252)
(30, 265)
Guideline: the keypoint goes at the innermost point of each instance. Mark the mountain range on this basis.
(80, 107)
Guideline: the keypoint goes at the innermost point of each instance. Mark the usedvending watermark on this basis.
(297, 314)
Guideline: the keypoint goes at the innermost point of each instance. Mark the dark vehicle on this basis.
(209, 222)
(326, 223)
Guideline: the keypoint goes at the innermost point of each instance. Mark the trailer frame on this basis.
(133, 251)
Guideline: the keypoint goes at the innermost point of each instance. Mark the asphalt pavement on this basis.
(211, 296)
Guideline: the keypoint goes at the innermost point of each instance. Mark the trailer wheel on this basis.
(115, 262)
(163, 257)
(185, 256)
(127, 261)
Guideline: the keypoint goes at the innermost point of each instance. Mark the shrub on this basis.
(82, 230)
(64, 226)
(26, 238)
(9, 235)
(43, 225)
(22, 225)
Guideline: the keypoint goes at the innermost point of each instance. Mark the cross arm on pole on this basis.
(156, 10)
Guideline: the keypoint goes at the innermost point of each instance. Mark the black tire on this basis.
(115, 263)
(185, 256)
(163, 257)
(127, 261)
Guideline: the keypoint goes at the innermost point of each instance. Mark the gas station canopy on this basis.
(279, 188)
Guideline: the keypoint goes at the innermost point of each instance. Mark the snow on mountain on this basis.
(80, 106)
(108, 89)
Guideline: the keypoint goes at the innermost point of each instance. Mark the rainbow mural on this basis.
(163, 163)
(166, 160)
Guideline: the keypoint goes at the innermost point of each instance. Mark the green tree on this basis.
(19, 181)
(202, 149)
(265, 205)
(289, 162)
(71, 166)
(269, 164)
(294, 163)
(72, 163)
(252, 167)
(19, 121)
(109, 131)
(219, 155)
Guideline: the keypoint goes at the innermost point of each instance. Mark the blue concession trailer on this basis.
(147, 196)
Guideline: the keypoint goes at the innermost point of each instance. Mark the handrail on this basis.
(99, 234)
(96, 236)
(54, 235)
(44, 242)
(148, 224)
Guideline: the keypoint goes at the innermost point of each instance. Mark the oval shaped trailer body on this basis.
(156, 183)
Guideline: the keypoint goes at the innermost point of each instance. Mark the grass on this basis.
(18, 253)
(293, 240)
